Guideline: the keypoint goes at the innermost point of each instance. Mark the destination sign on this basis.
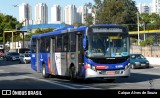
(97, 30)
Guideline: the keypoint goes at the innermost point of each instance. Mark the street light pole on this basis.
(144, 30)
(138, 27)
(95, 13)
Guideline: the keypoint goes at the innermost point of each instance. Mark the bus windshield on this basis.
(107, 45)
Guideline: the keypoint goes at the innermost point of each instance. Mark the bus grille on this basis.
(109, 61)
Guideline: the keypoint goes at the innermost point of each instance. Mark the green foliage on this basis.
(8, 22)
(115, 12)
(89, 20)
(150, 40)
(149, 22)
(143, 44)
(133, 40)
(28, 37)
(78, 24)
(37, 31)
(40, 31)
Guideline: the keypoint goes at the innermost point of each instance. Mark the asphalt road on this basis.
(21, 76)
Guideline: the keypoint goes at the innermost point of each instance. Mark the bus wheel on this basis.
(72, 73)
(44, 73)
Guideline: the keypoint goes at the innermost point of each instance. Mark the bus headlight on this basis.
(89, 66)
(93, 68)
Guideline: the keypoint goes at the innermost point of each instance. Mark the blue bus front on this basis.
(107, 52)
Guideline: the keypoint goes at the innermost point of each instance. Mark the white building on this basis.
(82, 12)
(41, 13)
(56, 14)
(156, 6)
(25, 14)
(144, 8)
(70, 13)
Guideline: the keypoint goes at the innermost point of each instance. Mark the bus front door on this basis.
(52, 57)
(79, 50)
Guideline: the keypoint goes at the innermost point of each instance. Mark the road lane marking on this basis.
(51, 82)
(89, 87)
(1, 70)
(67, 85)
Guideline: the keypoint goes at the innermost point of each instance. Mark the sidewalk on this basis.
(154, 61)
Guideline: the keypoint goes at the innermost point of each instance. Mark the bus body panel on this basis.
(59, 63)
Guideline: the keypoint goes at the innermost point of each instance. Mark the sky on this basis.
(6, 6)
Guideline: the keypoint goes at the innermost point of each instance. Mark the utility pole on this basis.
(138, 27)
(95, 13)
(144, 28)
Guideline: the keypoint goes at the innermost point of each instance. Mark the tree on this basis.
(77, 24)
(149, 22)
(37, 31)
(8, 22)
(150, 40)
(89, 17)
(115, 12)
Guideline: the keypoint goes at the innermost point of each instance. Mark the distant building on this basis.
(41, 13)
(81, 14)
(70, 13)
(156, 6)
(56, 14)
(25, 14)
(144, 8)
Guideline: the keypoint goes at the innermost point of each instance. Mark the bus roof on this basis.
(69, 29)
(106, 25)
(59, 31)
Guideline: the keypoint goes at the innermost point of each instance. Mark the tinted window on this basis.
(42, 45)
(47, 43)
(27, 55)
(59, 43)
(137, 56)
(14, 53)
(73, 42)
(65, 42)
(33, 45)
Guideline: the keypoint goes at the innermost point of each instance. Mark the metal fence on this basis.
(148, 51)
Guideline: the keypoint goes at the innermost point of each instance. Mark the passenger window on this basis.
(65, 43)
(59, 44)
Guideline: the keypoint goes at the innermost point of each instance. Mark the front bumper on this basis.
(103, 73)
(140, 65)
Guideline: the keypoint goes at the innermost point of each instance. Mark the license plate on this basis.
(143, 64)
(110, 72)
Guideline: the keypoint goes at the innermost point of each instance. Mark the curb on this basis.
(154, 65)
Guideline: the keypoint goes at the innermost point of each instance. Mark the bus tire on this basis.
(72, 74)
(44, 73)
